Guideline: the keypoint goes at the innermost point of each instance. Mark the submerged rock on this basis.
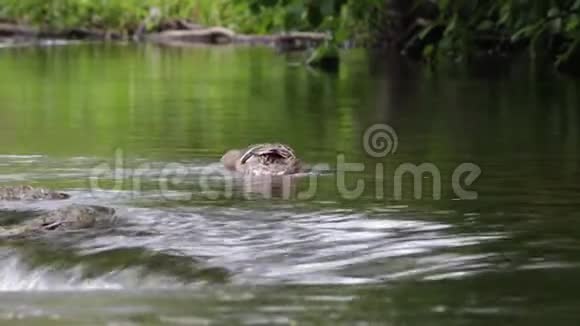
(28, 193)
(73, 217)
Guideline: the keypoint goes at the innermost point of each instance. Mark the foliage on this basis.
(120, 15)
(345, 17)
(458, 27)
(473, 25)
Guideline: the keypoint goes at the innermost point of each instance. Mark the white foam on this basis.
(17, 276)
(12, 156)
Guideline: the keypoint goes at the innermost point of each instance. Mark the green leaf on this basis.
(451, 26)
(485, 25)
(573, 23)
(428, 51)
(425, 31)
(505, 13)
(525, 32)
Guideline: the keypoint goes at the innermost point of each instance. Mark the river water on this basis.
(141, 129)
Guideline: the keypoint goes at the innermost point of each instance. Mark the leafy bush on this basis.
(347, 18)
(458, 27)
(552, 26)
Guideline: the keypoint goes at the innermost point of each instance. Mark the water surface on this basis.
(191, 250)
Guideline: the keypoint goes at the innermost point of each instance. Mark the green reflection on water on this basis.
(89, 100)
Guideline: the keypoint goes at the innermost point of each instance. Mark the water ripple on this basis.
(257, 242)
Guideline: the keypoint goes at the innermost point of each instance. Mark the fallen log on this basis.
(221, 35)
(11, 30)
(21, 31)
(212, 35)
(189, 34)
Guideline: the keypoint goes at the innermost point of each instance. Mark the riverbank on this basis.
(182, 33)
(252, 21)
(430, 30)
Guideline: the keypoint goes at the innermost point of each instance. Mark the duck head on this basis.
(231, 159)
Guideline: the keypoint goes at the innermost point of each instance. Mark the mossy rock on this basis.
(325, 57)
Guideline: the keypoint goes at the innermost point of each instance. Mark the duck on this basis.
(272, 159)
(74, 217)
